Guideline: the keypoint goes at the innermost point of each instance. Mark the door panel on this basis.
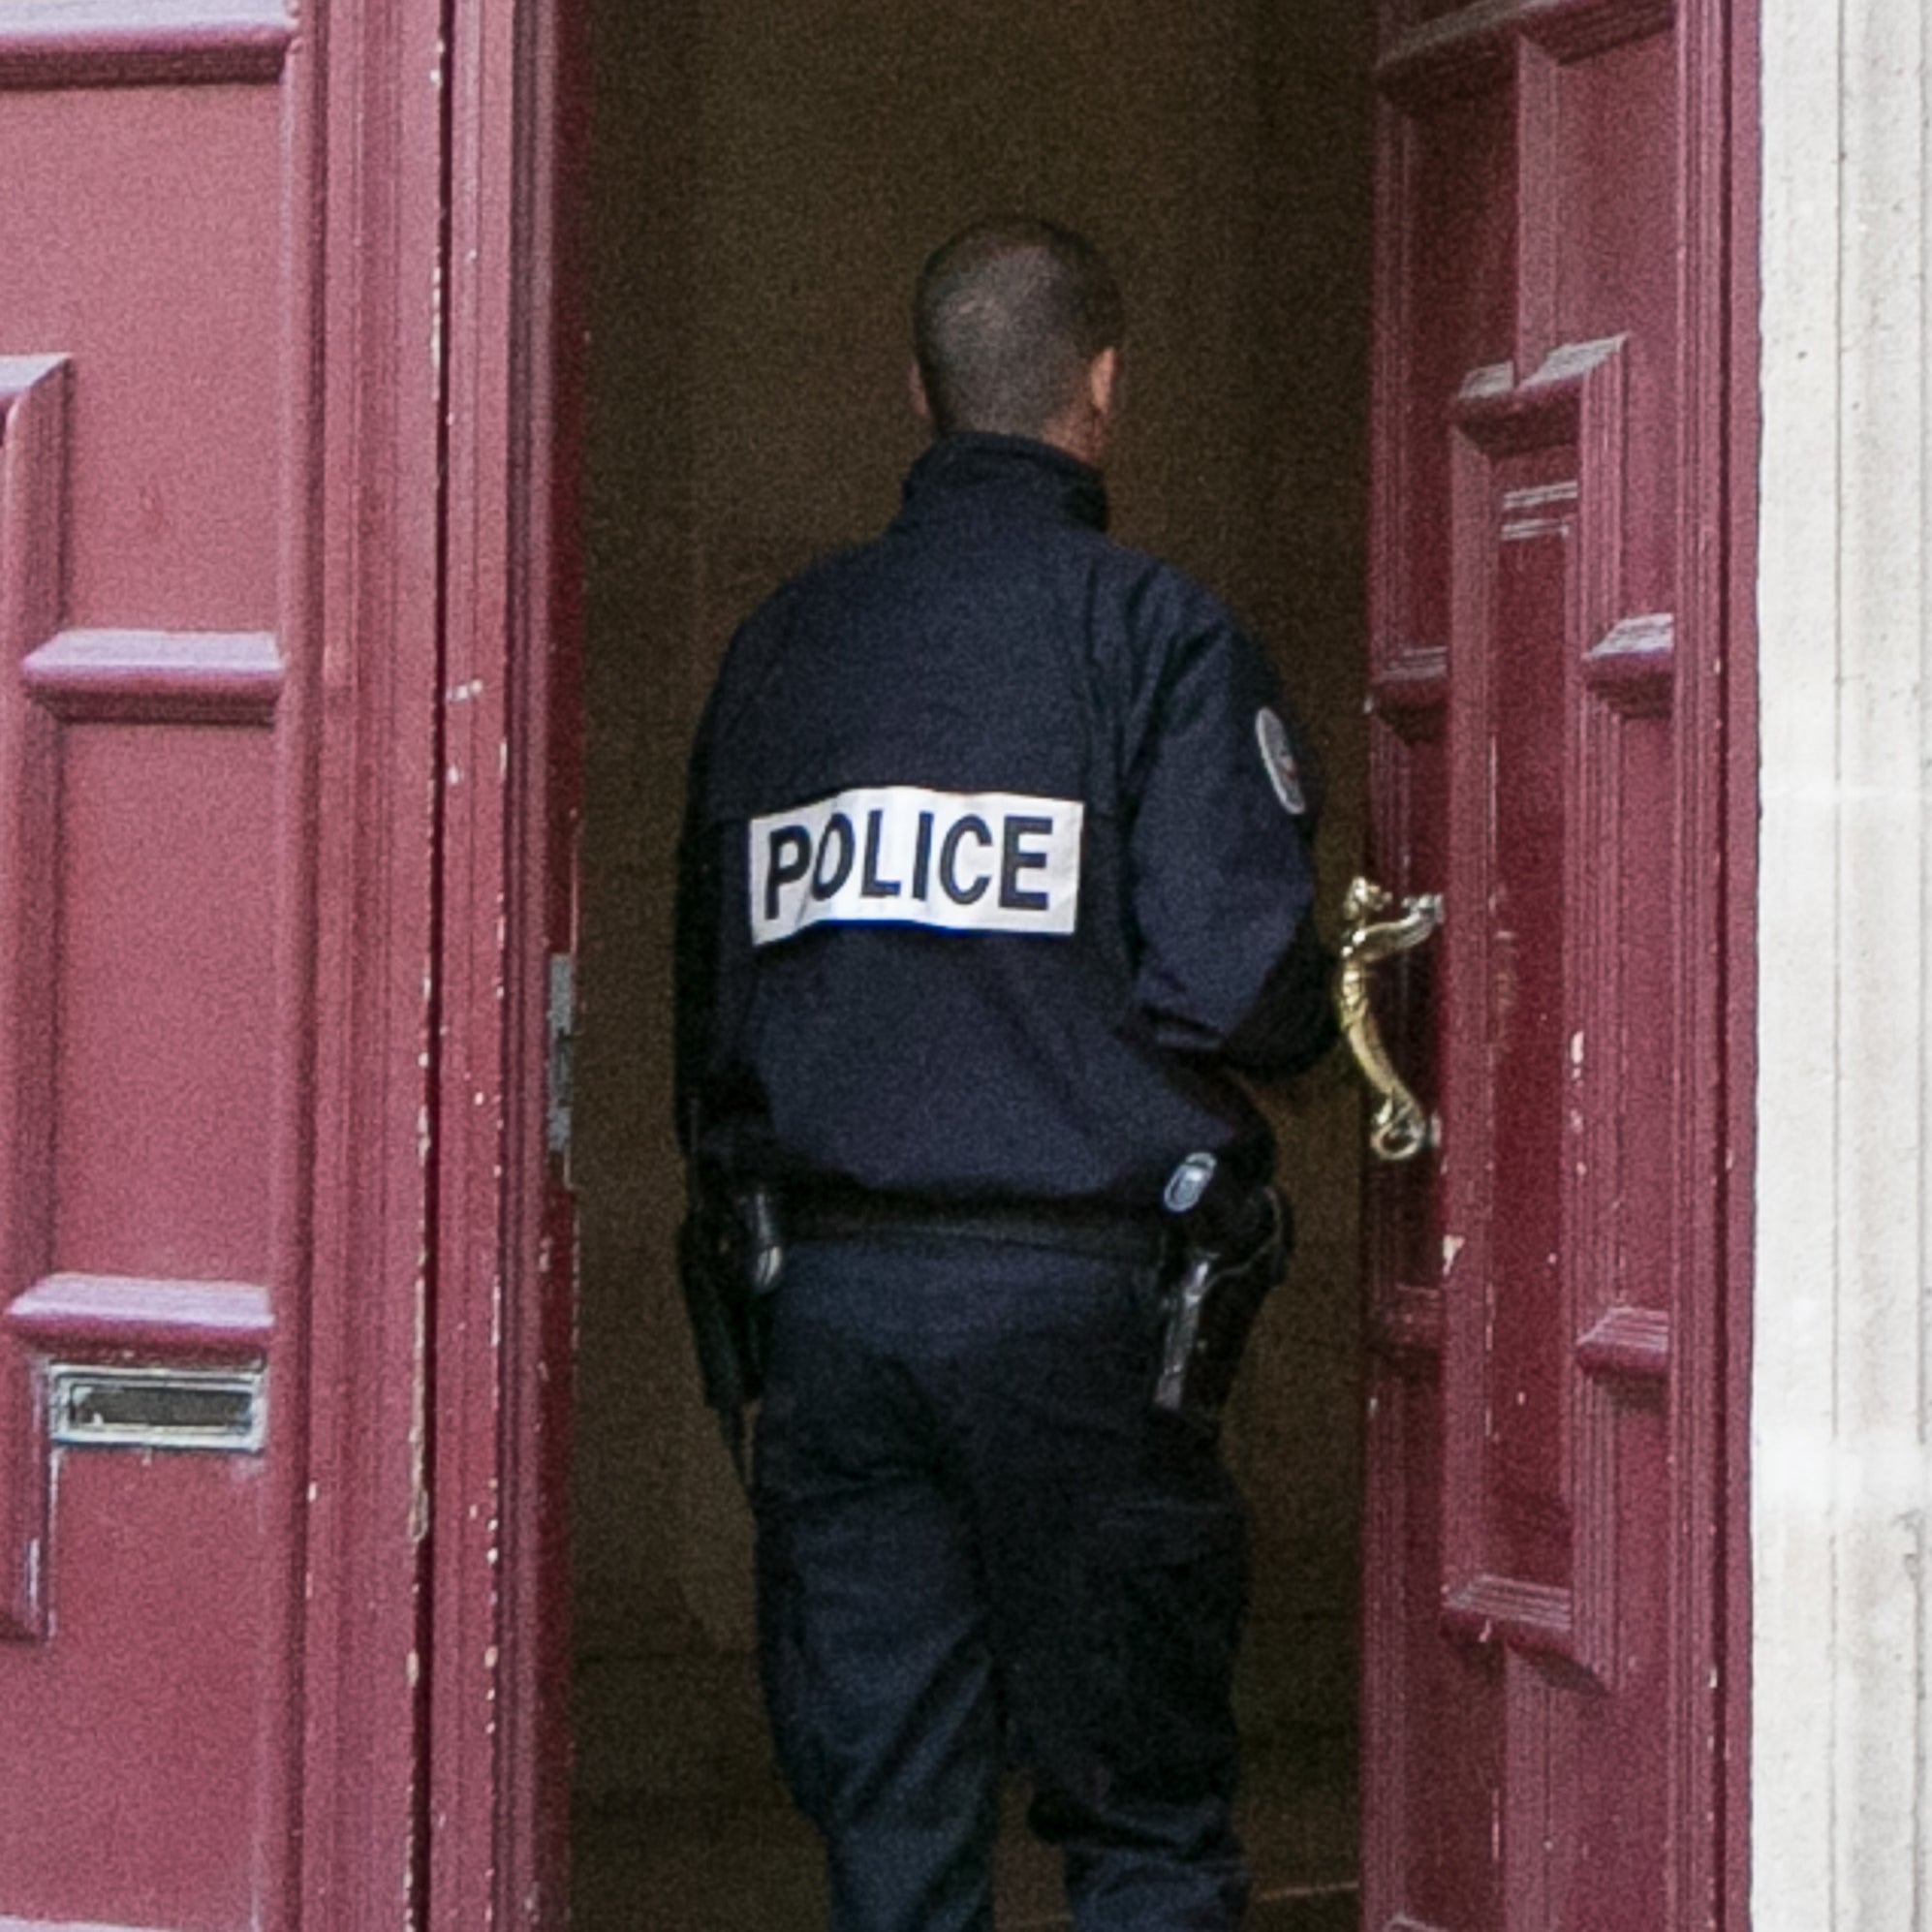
(215, 853)
(138, 866)
(1539, 1640)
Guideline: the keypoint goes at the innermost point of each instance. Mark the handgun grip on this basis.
(1181, 1335)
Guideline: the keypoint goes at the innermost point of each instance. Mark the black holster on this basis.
(1231, 1247)
(730, 1256)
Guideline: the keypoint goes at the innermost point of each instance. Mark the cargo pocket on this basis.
(1168, 1584)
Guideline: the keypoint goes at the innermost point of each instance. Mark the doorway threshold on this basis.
(756, 1866)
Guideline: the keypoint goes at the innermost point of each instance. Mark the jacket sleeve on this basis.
(1223, 800)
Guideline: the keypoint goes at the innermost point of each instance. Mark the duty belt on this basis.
(839, 1214)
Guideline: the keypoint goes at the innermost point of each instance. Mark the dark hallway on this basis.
(765, 183)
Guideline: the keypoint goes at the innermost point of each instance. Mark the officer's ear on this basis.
(915, 387)
(1104, 391)
(1103, 384)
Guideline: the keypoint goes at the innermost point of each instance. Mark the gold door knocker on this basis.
(1400, 1129)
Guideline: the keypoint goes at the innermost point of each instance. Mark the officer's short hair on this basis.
(1008, 316)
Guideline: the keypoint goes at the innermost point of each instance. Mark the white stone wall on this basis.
(1842, 1477)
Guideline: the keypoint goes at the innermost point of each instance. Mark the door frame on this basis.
(506, 752)
(432, 501)
(1842, 1785)
(507, 782)
(1742, 202)
(364, 213)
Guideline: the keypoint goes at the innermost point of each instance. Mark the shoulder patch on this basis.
(1278, 759)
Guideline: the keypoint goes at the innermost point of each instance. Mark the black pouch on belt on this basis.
(1231, 1247)
(731, 1253)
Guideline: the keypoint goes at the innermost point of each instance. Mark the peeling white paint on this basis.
(419, 1398)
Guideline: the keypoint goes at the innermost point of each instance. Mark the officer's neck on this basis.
(1081, 429)
(1080, 432)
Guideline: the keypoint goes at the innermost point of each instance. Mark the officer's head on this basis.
(1017, 325)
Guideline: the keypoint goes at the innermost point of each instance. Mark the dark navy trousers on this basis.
(979, 1544)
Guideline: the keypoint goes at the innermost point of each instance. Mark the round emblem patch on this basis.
(1278, 756)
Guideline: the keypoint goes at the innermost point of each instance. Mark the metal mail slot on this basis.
(155, 1408)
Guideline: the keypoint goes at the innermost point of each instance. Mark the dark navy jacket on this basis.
(996, 860)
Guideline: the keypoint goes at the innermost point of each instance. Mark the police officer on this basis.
(996, 868)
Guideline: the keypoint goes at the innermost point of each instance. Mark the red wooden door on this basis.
(1544, 1610)
(219, 403)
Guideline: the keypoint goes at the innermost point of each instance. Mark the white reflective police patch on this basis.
(1278, 756)
(984, 861)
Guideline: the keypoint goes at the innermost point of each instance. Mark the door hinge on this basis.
(560, 1028)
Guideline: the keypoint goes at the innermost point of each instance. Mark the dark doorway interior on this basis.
(767, 181)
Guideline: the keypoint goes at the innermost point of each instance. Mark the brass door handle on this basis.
(1400, 1129)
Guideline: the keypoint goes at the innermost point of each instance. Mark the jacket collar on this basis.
(973, 471)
